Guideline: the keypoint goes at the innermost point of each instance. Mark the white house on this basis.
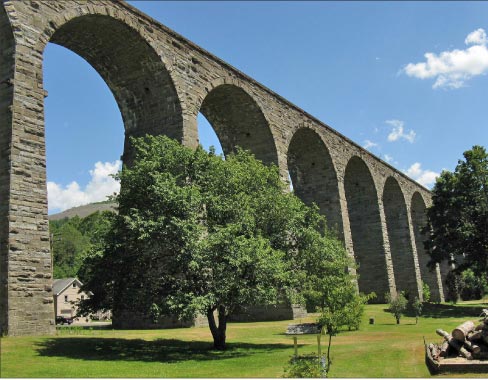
(66, 293)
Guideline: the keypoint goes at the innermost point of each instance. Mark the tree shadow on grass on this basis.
(160, 350)
(432, 310)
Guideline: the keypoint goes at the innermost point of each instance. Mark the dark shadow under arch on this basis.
(314, 177)
(365, 223)
(239, 122)
(399, 238)
(419, 221)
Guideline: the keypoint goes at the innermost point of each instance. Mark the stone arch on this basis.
(399, 238)
(366, 229)
(418, 212)
(313, 175)
(131, 67)
(238, 120)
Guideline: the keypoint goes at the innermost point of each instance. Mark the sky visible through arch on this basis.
(405, 80)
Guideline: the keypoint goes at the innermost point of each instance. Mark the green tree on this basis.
(397, 305)
(69, 246)
(199, 234)
(458, 217)
(72, 239)
(417, 306)
(341, 305)
(426, 292)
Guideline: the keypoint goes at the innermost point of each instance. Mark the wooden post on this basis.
(296, 346)
(319, 349)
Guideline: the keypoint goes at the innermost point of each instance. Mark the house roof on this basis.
(62, 283)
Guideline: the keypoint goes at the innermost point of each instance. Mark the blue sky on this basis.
(406, 80)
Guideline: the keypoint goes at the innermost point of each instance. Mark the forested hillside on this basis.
(72, 239)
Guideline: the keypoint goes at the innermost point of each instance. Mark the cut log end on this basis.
(461, 332)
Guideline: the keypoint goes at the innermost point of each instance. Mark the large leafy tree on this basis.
(458, 217)
(199, 234)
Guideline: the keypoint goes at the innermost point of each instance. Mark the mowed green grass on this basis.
(254, 349)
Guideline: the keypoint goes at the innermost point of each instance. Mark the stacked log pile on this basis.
(468, 340)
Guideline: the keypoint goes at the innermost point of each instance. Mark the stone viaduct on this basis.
(161, 81)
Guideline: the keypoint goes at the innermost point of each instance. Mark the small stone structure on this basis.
(161, 81)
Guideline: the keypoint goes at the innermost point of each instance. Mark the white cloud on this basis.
(398, 133)
(451, 69)
(369, 144)
(478, 37)
(100, 186)
(424, 177)
(388, 158)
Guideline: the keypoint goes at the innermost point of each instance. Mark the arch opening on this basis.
(419, 221)
(133, 71)
(399, 238)
(136, 76)
(313, 176)
(365, 224)
(239, 122)
(207, 137)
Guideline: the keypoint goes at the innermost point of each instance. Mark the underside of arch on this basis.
(419, 222)
(133, 71)
(314, 177)
(365, 223)
(239, 122)
(399, 238)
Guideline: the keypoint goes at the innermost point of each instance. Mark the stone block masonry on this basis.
(161, 81)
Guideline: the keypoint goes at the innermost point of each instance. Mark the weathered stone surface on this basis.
(161, 81)
(303, 329)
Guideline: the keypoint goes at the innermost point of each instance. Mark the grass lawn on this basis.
(255, 349)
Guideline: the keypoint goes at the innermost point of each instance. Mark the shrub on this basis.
(306, 366)
(417, 308)
(465, 285)
(425, 292)
(473, 287)
(453, 285)
(397, 305)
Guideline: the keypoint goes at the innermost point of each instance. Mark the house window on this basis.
(65, 298)
(74, 285)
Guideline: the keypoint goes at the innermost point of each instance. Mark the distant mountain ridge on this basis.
(84, 211)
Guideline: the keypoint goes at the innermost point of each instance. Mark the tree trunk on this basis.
(329, 362)
(218, 332)
(444, 351)
(455, 344)
(476, 335)
(474, 348)
(398, 320)
(461, 332)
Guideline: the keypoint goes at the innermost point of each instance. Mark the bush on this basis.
(397, 305)
(465, 285)
(453, 285)
(306, 366)
(425, 292)
(472, 287)
(417, 308)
